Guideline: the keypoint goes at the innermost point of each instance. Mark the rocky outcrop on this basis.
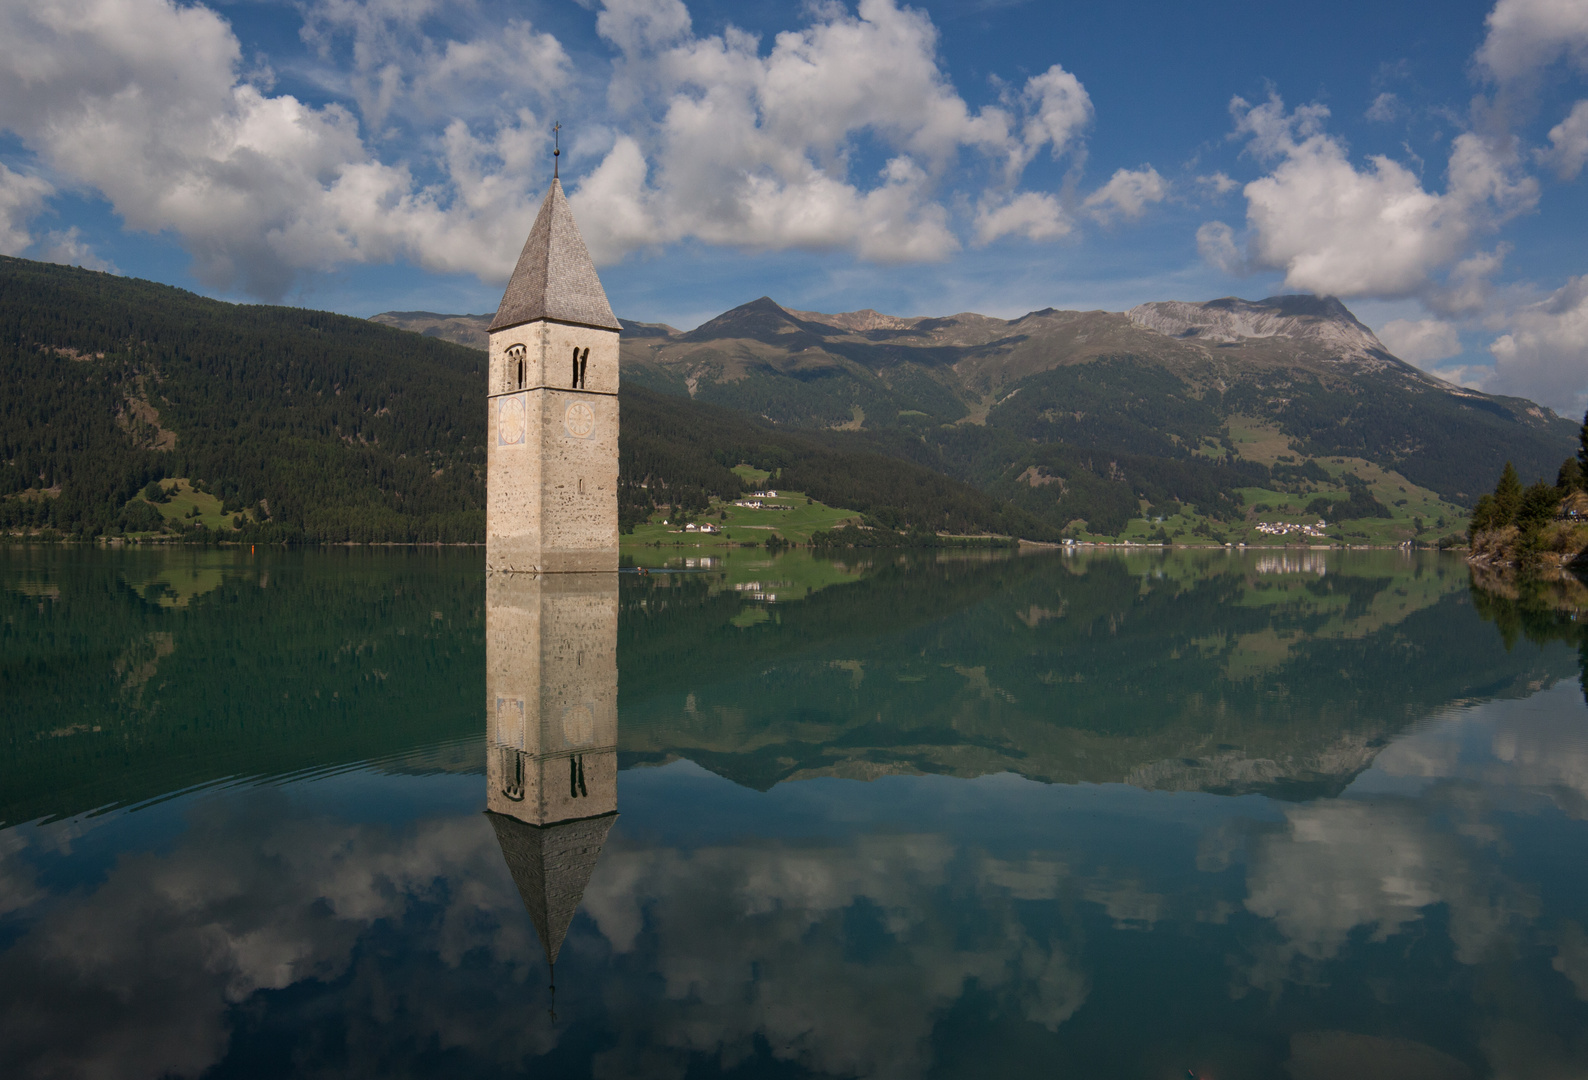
(1320, 319)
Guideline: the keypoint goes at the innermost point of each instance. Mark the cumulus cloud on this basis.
(1385, 108)
(1336, 229)
(21, 198)
(1127, 194)
(1216, 244)
(435, 157)
(1545, 352)
(736, 146)
(1568, 143)
(1033, 215)
(68, 247)
(1420, 341)
(397, 68)
(1525, 36)
(1061, 110)
(145, 101)
(1218, 183)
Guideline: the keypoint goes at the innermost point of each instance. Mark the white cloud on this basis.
(736, 147)
(1467, 287)
(1031, 215)
(68, 247)
(1217, 183)
(1336, 229)
(397, 68)
(1525, 36)
(1385, 108)
(143, 101)
(1568, 149)
(1128, 193)
(21, 199)
(1545, 354)
(1421, 341)
(641, 25)
(1062, 110)
(442, 149)
(1216, 244)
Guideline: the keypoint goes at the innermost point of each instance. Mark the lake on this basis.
(1213, 814)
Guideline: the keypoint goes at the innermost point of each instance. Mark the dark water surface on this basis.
(1297, 815)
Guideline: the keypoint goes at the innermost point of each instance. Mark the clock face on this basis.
(579, 419)
(510, 421)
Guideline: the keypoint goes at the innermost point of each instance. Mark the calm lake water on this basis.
(1305, 815)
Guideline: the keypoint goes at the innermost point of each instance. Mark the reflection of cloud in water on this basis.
(1536, 746)
(137, 978)
(841, 958)
(1334, 867)
(838, 954)
(1428, 826)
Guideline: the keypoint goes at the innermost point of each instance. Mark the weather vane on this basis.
(556, 151)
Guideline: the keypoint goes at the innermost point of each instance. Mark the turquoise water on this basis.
(1269, 814)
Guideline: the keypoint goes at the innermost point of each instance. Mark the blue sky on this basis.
(1423, 162)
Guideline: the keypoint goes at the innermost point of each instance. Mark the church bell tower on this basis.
(551, 487)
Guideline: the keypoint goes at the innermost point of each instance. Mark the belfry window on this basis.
(513, 774)
(515, 361)
(579, 362)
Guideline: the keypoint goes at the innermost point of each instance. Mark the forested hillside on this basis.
(1165, 380)
(304, 423)
(1228, 420)
(313, 426)
(681, 452)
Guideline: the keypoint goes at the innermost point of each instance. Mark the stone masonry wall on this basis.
(552, 452)
(551, 678)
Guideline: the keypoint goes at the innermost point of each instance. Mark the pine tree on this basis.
(1539, 503)
(1507, 497)
(1570, 477)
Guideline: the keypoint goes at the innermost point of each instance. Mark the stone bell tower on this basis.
(551, 485)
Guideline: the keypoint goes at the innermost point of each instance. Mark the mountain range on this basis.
(289, 424)
(1221, 421)
(1185, 412)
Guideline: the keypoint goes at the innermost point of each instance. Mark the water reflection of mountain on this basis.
(128, 675)
(1274, 672)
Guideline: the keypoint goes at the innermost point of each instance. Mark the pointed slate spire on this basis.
(551, 865)
(554, 278)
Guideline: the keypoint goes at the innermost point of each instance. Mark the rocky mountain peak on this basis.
(856, 321)
(1321, 319)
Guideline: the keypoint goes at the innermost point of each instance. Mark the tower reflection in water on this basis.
(551, 735)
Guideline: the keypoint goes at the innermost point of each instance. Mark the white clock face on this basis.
(579, 419)
(510, 421)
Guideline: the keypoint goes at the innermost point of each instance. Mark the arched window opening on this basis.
(513, 774)
(515, 360)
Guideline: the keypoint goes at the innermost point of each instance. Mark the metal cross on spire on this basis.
(556, 144)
